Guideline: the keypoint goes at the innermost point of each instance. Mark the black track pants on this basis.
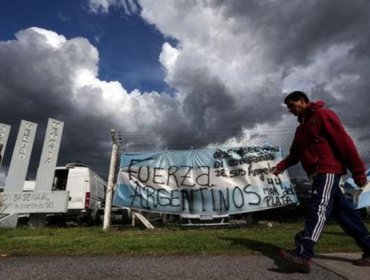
(327, 200)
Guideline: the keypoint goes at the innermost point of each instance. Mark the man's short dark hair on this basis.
(295, 96)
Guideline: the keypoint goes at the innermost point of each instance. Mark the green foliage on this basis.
(163, 241)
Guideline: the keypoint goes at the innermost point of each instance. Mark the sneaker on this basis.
(297, 262)
(364, 261)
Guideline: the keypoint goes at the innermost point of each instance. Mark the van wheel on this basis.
(251, 219)
(85, 222)
(125, 217)
(99, 218)
(57, 222)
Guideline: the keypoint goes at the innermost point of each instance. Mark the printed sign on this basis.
(204, 182)
(34, 202)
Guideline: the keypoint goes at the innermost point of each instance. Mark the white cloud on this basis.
(102, 6)
(224, 72)
(46, 37)
(44, 75)
(232, 62)
(235, 60)
(97, 6)
(76, 59)
(168, 59)
(209, 40)
(319, 69)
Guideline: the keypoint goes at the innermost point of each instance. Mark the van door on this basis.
(76, 185)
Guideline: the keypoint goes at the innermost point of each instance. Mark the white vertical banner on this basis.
(21, 157)
(4, 135)
(49, 155)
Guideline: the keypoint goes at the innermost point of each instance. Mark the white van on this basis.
(86, 190)
(86, 195)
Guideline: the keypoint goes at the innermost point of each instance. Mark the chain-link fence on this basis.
(281, 136)
(359, 134)
(361, 137)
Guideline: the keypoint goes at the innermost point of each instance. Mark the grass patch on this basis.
(163, 241)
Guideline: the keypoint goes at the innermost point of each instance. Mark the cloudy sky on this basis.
(177, 74)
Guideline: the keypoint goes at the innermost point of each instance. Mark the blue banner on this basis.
(204, 181)
(361, 197)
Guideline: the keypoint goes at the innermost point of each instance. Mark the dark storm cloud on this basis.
(294, 30)
(36, 84)
(228, 72)
(217, 114)
(45, 75)
(276, 46)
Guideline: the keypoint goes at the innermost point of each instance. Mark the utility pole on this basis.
(116, 139)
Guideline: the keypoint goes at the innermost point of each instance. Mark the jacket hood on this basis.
(312, 107)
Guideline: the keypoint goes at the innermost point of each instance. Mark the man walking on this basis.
(325, 151)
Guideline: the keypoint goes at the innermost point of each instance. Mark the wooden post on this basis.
(112, 168)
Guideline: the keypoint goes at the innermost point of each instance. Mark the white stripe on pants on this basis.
(321, 213)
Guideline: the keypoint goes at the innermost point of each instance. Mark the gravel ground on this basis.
(148, 267)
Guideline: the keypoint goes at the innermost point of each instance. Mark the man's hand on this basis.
(361, 182)
(275, 170)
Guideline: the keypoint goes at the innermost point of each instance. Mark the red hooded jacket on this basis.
(322, 145)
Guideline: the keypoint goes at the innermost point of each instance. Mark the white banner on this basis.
(4, 135)
(207, 181)
(49, 155)
(21, 157)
